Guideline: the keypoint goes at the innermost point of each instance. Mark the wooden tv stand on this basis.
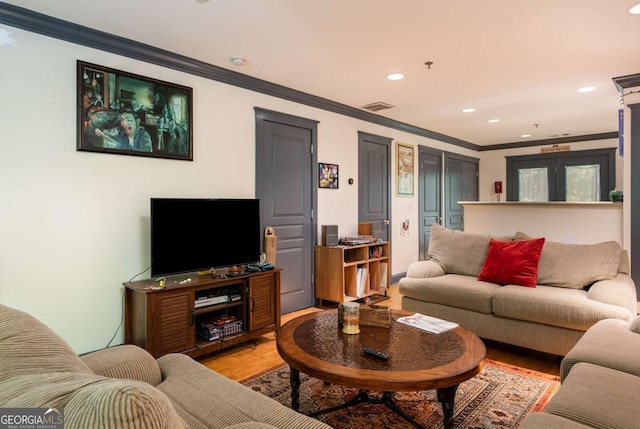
(167, 320)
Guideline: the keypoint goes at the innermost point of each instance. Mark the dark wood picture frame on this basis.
(128, 114)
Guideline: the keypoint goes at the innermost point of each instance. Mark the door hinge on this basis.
(312, 149)
(311, 213)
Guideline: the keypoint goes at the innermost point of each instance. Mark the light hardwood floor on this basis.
(253, 358)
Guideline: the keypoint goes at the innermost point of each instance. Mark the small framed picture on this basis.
(404, 170)
(327, 175)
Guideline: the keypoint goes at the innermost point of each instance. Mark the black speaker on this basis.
(330, 235)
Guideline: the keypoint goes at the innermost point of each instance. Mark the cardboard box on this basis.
(375, 315)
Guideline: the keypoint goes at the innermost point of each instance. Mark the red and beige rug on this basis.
(499, 397)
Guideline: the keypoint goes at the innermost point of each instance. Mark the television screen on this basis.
(190, 235)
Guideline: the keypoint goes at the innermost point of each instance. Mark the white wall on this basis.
(75, 225)
(578, 223)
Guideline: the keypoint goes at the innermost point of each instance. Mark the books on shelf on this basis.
(383, 275)
(428, 323)
(361, 281)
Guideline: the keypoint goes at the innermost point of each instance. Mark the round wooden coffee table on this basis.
(315, 345)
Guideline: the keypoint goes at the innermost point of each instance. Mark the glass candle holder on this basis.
(351, 318)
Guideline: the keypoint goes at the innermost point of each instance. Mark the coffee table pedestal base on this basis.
(445, 396)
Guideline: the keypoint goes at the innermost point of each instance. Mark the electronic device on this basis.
(213, 300)
(330, 235)
(375, 353)
(189, 235)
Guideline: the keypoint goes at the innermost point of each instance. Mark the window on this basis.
(566, 176)
(534, 184)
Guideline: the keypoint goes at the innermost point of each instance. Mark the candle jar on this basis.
(351, 318)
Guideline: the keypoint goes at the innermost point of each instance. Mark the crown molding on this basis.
(625, 82)
(561, 140)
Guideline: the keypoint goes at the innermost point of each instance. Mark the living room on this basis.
(76, 224)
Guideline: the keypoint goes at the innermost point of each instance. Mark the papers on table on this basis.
(428, 323)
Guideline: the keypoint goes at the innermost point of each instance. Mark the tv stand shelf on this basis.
(166, 320)
(215, 307)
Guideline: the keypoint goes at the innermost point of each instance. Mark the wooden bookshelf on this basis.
(352, 273)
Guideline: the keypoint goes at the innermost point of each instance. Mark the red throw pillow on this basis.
(512, 262)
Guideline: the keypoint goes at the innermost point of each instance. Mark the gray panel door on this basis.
(461, 184)
(374, 192)
(430, 195)
(285, 185)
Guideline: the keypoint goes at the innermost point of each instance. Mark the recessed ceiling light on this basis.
(238, 61)
(587, 89)
(525, 135)
(635, 9)
(202, 1)
(395, 76)
(493, 121)
(469, 110)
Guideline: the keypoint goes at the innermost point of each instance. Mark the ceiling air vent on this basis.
(377, 106)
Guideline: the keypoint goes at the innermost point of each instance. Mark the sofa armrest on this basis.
(610, 343)
(620, 291)
(126, 362)
(424, 269)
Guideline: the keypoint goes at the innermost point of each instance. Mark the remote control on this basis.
(375, 353)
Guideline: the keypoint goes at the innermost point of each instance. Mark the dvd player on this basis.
(204, 301)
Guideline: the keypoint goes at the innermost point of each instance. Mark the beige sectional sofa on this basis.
(600, 381)
(124, 387)
(577, 286)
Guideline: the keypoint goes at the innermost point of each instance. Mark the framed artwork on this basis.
(404, 170)
(124, 113)
(327, 175)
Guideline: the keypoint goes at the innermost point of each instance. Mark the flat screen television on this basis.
(189, 234)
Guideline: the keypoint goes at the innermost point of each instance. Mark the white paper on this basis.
(428, 323)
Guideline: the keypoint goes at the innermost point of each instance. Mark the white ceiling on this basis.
(521, 61)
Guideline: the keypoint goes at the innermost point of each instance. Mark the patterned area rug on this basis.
(499, 397)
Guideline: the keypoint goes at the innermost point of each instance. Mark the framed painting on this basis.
(327, 175)
(124, 113)
(404, 170)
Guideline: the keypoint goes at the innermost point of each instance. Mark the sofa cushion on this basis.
(121, 404)
(458, 252)
(30, 347)
(566, 308)
(512, 262)
(598, 397)
(453, 290)
(575, 266)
